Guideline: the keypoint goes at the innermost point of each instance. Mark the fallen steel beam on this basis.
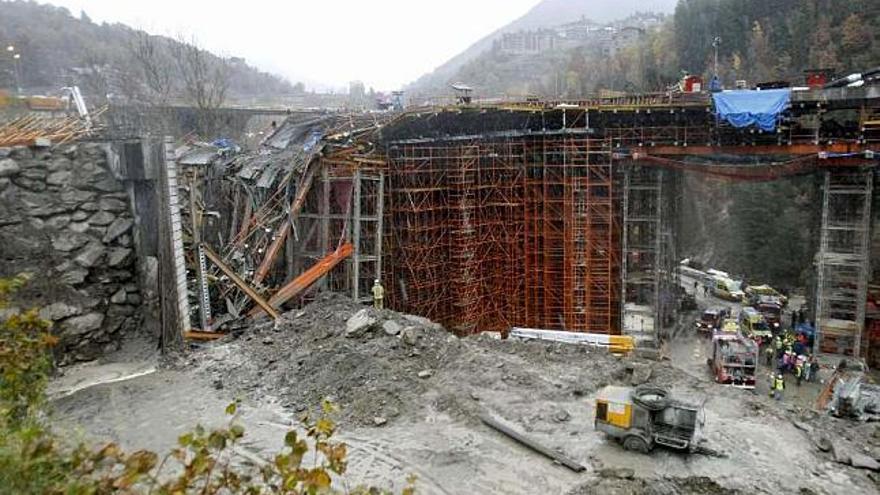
(307, 278)
(537, 447)
(275, 248)
(214, 257)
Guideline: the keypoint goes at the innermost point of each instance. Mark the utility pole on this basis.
(716, 43)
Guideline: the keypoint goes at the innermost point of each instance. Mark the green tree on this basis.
(823, 52)
(761, 59)
(34, 459)
(856, 41)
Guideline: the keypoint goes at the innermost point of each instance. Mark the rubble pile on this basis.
(379, 365)
(66, 219)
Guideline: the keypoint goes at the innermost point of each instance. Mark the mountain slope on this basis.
(545, 14)
(55, 45)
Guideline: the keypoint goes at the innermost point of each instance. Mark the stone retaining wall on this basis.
(66, 219)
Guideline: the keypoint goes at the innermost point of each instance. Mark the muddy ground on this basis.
(410, 395)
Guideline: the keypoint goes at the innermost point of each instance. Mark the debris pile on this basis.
(379, 365)
(244, 205)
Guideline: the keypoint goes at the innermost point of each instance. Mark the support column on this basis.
(843, 263)
(380, 216)
(642, 252)
(175, 310)
(325, 219)
(356, 235)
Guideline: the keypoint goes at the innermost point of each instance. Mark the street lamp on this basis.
(16, 58)
(10, 48)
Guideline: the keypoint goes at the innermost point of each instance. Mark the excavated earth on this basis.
(410, 395)
(375, 373)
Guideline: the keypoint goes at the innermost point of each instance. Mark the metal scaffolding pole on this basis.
(843, 262)
(642, 251)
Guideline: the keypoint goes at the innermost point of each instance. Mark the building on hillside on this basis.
(527, 42)
(622, 38)
(606, 39)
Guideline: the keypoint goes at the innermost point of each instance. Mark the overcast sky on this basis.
(385, 43)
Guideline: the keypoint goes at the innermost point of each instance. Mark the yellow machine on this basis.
(643, 417)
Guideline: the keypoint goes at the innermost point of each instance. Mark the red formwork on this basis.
(486, 234)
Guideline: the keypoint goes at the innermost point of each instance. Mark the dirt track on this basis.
(430, 426)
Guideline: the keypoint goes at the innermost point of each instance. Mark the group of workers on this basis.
(790, 354)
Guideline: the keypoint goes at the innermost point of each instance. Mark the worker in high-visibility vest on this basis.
(378, 295)
(778, 386)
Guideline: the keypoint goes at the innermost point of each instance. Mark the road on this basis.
(690, 350)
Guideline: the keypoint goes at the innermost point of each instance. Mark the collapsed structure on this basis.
(539, 214)
(551, 215)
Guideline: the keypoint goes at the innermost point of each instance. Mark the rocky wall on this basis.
(66, 219)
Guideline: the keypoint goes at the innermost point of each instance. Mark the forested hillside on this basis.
(760, 40)
(546, 14)
(57, 49)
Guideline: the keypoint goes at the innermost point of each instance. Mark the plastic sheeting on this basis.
(745, 108)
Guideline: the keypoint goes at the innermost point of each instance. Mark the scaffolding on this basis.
(343, 205)
(647, 251)
(502, 231)
(366, 232)
(843, 262)
(589, 237)
(417, 234)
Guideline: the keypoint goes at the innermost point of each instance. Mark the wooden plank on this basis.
(205, 336)
(240, 283)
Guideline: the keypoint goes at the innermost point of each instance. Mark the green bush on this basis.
(34, 459)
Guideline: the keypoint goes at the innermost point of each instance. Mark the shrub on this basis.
(34, 459)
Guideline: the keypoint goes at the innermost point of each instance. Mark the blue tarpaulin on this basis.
(746, 107)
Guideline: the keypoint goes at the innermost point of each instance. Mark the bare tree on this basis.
(145, 84)
(205, 81)
(154, 67)
(94, 76)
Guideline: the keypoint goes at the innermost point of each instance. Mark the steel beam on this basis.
(238, 281)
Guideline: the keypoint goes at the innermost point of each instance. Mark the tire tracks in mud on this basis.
(371, 453)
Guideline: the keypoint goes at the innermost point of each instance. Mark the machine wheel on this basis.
(651, 398)
(636, 444)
